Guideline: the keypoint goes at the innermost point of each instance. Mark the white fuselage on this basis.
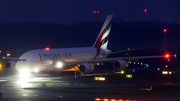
(42, 58)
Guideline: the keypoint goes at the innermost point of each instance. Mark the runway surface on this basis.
(13, 90)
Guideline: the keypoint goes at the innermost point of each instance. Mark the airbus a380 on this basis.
(82, 59)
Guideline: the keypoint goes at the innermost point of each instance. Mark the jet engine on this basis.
(86, 68)
(9, 65)
(120, 64)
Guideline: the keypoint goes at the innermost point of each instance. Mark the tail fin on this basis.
(103, 37)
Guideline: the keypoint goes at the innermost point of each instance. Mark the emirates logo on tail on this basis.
(103, 37)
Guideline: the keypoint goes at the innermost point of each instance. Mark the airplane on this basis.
(82, 59)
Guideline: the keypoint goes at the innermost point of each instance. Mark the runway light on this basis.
(0, 67)
(170, 72)
(166, 66)
(99, 78)
(164, 72)
(105, 99)
(158, 68)
(96, 78)
(128, 75)
(97, 99)
(122, 72)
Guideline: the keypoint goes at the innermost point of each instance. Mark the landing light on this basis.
(24, 73)
(36, 70)
(59, 64)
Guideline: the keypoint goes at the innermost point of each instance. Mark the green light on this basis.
(128, 75)
(96, 78)
(4, 57)
(134, 62)
(141, 63)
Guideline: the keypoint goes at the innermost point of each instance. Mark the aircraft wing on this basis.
(12, 58)
(121, 51)
(125, 58)
(113, 59)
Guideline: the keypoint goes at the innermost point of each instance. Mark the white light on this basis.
(59, 64)
(24, 73)
(36, 70)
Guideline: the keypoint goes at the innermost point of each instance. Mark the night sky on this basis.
(68, 11)
(72, 12)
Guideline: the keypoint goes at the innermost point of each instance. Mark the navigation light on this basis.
(47, 48)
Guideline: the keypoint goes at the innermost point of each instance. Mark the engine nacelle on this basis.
(86, 68)
(9, 65)
(120, 64)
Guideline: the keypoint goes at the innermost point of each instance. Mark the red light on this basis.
(47, 48)
(145, 10)
(165, 30)
(167, 55)
(94, 12)
(97, 11)
(8, 54)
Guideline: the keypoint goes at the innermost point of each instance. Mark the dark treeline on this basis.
(135, 34)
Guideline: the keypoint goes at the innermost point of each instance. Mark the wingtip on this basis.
(175, 55)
